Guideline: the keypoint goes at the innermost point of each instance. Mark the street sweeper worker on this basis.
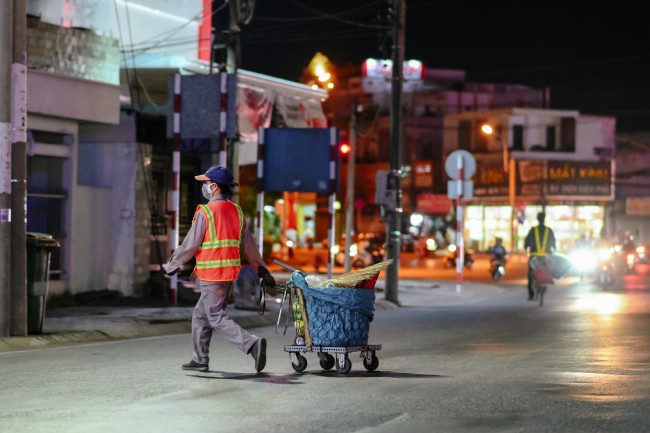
(217, 236)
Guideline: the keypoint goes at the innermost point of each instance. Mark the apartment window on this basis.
(517, 137)
(568, 134)
(465, 135)
(550, 138)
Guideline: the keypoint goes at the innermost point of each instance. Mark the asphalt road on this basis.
(494, 364)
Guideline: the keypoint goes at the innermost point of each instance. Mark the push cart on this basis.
(332, 322)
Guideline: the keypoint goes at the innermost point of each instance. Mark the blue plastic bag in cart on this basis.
(336, 316)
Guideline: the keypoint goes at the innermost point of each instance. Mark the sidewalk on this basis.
(73, 325)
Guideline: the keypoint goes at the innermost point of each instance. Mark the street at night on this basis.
(486, 360)
(274, 216)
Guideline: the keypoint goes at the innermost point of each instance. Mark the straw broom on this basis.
(353, 278)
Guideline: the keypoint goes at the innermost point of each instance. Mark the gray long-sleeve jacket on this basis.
(194, 239)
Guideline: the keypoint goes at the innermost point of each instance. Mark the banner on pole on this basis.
(201, 106)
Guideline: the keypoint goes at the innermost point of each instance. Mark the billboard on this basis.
(300, 159)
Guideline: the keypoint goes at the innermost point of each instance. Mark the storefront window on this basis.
(497, 220)
(483, 224)
(567, 222)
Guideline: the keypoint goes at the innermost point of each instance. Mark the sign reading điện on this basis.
(579, 178)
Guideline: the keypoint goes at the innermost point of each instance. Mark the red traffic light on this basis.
(344, 148)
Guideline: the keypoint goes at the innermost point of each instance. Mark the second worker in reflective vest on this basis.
(217, 236)
(540, 241)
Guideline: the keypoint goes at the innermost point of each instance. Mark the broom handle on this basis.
(284, 265)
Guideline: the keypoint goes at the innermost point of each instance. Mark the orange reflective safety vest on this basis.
(217, 259)
(541, 247)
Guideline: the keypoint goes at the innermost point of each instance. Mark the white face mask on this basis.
(206, 190)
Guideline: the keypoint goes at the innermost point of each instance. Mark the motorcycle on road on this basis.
(605, 270)
(497, 268)
(449, 260)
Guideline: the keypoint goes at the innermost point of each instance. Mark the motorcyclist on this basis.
(603, 242)
(498, 251)
(629, 246)
(583, 255)
(629, 250)
(605, 256)
(584, 242)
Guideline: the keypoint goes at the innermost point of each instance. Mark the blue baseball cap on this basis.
(217, 174)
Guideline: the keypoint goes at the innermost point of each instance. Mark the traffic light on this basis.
(344, 151)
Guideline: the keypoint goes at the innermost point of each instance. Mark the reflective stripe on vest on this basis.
(541, 249)
(217, 259)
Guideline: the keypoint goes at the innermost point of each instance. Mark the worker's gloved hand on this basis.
(266, 276)
(170, 272)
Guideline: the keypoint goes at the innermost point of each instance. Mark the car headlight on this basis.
(583, 260)
(604, 254)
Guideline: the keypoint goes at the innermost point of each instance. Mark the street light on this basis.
(508, 167)
(487, 129)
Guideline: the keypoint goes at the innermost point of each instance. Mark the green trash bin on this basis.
(39, 251)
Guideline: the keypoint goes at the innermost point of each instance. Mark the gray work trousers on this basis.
(209, 314)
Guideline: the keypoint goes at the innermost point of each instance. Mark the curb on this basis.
(44, 340)
(142, 328)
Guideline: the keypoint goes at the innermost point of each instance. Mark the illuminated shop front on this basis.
(575, 196)
(484, 223)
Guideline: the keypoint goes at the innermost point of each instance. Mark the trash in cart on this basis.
(332, 318)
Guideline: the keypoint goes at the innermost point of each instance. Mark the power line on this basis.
(336, 18)
(320, 15)
(119, 28)
(161, 42)
(135, 71)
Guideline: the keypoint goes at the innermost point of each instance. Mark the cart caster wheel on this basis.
(373, 364)
(298, 362)
(327, 361)
(346, 367)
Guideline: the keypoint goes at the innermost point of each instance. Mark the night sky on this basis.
(594, 56)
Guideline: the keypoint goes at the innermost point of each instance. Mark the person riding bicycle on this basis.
(540, 242)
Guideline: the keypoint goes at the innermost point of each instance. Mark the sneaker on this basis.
(259, 354)
(531, 298)
(193, 365)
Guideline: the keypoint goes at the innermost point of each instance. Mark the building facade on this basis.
(557, 161)
(99, 161)
(73, 83)
(429, 96)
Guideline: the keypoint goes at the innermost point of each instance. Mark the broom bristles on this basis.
(351, 279)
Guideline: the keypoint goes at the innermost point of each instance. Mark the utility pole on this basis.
(19, 172)
(394, 214)
(6, 36)
(349, 210)
(225, 38)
